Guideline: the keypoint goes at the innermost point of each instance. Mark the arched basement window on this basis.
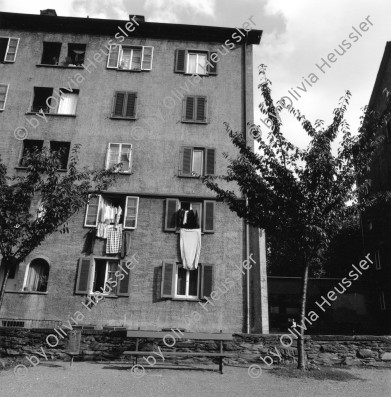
(37, 276)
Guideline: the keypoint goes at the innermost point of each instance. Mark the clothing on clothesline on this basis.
(188, 219)
(114, 240)
(190, 245)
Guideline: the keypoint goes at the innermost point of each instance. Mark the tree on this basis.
(302, 195)
(57, 197)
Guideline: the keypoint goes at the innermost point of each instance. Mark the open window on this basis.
(102, 275)
(3, 95)
(76, 54)
(37, 276)
(62, 148)
(195, 62)
(197, 161)
(99, 210)
(179, 283)
(8, 49)
(120, 153)
(51, 53)
(29, 147)
(62, 102)
(134, 58)
(42, 100)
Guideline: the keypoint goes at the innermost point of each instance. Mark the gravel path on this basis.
(104, 380)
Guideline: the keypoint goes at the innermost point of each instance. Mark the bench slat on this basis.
(178, 335)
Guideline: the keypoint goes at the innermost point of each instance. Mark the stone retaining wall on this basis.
(109, 345)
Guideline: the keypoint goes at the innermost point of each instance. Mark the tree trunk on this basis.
(301, 362)
(7, 269)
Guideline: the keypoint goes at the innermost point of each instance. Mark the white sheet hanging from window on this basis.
(67, 103)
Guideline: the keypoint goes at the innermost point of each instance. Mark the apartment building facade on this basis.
(154, 97)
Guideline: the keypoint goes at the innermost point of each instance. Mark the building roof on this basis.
(109, 27)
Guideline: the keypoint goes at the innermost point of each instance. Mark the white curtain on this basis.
(67, 103)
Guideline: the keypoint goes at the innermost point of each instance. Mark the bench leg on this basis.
(221, 365)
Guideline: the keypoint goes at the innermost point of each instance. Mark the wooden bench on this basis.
(197, 336)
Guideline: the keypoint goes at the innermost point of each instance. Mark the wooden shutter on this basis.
(206, 280)
(112, 60)
(188, 108)
(130, 109)
(83, 275)
(212, 67)
(123, 285)
(12, 49)
(180, 61)
(210, 161)
(93, 205)
(131, 212)
(3, 95)
(186, 155)
(147, 56)
(201, 109)
(172, 206)
(208, 218)
(119, 104)
(168, 280)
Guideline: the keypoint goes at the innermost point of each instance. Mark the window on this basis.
(124, 105)
(64, 102)
(377, 260)
(3, 95)
(186, 284)
(29, 147)
(96, 206)
(62, 148)
(51, 53)
(382, 301)
(94, 273)
(197, 161)
(76, 54)
(195, 62)
(37, 276)
(134, 58)
(8, 49)
(119, 153)
(194, 109)
(205, 210)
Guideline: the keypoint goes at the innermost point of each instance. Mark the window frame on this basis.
(20, 165)
(125, 105)
(205, 164)
(51, 111)
(197, 53)
(6, 95)
(9, 38)
(119, 157)
(26, 275)
(69, 151)
(211, 65)
(196, 99)
(175, 286)
(118, 48)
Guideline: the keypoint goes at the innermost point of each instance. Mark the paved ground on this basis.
(100, 380)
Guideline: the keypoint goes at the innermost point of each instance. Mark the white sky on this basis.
(296, 35)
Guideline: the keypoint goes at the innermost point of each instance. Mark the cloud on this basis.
(111, 9)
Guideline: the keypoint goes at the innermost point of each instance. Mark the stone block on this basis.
(366, 353)
(386, 357)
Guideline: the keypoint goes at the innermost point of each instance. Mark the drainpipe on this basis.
(244, 66)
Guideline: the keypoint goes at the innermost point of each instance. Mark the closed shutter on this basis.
(123, 285)
(91, 219)
(180, 61)
(167, 285)
(12, 49)
(189, 107)
(119, 103)
(206, 280)
(210, 158)
(172, 206)
(212, 67)
(201, 109)
(146, 63)
(112, 60)
(83, 276)
(185, 161)
(130, 110)
(209, 213)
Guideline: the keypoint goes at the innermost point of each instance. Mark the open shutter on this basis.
(188, 108)
(185, 161)
(180, 61)
(201, 109)
(208, 218)
(119, 103)
(168, 282)
(212, 67)
(12, 49)
(147, 56)
(206, 280)
(112, 60)
(210, 158)
(123, 285)
(131, 212)
(83, 275)
(3, 95)
(172, 206)
(93, 205)
(130, 109)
